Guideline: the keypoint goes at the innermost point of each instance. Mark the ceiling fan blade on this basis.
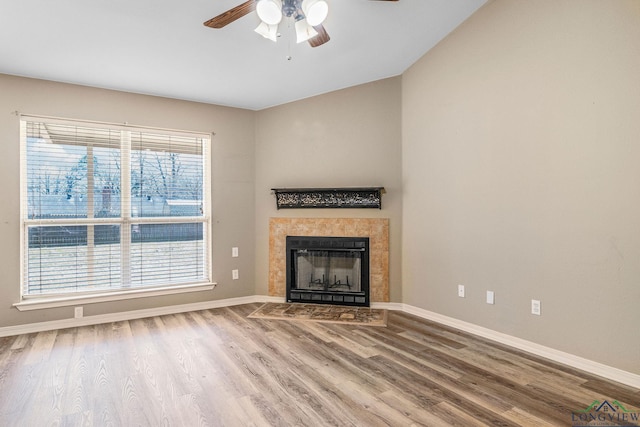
(226, 18)
(321, 38)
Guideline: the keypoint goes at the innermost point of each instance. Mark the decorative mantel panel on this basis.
(376, 229)
(368, 197)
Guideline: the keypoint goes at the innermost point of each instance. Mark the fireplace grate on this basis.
(317, 297)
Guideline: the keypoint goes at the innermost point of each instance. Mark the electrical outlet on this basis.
(78, 312)
(235, 275)
(490, 297)
(461, 291)
(234, 252)
(535, 307)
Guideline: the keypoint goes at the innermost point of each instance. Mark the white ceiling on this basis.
(161, 47)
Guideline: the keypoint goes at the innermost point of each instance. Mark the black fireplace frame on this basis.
(327, 296)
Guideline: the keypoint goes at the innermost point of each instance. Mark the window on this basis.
(112, 208)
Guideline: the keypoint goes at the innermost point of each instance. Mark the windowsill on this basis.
(53, 302)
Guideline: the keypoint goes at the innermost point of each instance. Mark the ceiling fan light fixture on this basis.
(315, 11)
(304, 31)
(269, 11)
(267, 31)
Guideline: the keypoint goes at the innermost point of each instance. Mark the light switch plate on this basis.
(490, 297)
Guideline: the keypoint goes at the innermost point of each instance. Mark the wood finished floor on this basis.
(219, 368)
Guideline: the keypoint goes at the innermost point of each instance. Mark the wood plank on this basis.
(219, 368)
(622, 393)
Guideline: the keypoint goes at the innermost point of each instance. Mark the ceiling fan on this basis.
(307, 14)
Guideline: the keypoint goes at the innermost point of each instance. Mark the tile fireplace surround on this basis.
(376, 229)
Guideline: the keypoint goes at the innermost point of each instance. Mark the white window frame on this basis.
(32, 302)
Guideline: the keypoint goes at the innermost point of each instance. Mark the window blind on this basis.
(112, 207)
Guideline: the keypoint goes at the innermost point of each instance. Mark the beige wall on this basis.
(521, 154)
(509, 152)
(347, 138)
(233, 182)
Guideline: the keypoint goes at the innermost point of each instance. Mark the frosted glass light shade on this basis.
(304, 31)
(270, 11)
(315, 11)
(268, 31)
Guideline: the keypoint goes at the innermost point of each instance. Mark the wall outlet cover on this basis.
(536, 307)
(461, 291)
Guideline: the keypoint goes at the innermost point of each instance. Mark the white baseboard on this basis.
(568, 359)
(130, 315)
(571, 360)
(388, 305)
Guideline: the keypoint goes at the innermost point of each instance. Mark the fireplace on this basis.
(327, 270)
(376, 229)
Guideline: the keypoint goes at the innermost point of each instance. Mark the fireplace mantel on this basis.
(348, 197)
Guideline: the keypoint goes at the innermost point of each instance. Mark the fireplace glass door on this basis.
(328, 270)
(337, 270)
